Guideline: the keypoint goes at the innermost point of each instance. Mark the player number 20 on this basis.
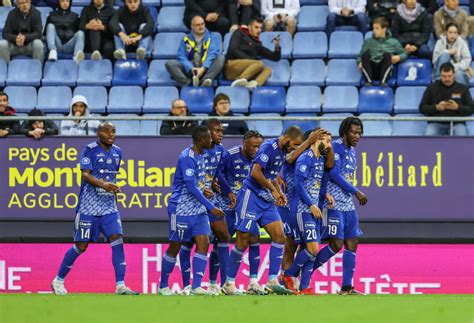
(85, 233)
(332, 229)
(311, 235)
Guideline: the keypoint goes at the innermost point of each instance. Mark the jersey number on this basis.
(311, 235)
(85, 233)
(181, 234)
(332, 229)
(249, 224)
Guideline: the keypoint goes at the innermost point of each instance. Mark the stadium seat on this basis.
(126, 127)
(54, 99)
(376, 99)
(280, 72)
(265, 127)
(151, 3)
(198, 99)
(95, 73)
(377, 128)
(340, 99)
(158, 75)
(313, 2)
(158, 99)
(96, 97)
(22, 98)
(303, 99)
(166, 45)
(310, 45)
(304, 125)
(76, 9)
(239, 98)
(61, 72)
(333, 125)
(45, 11)
(312, 18)
(125, 99)
(308, 72)
(24, 72)
(225, 45)
(171, 19)
(130, 72)
(470, 127)
(3, 72)
(81, 3)
(3, 15)
(175, 3)
(343, 72)
(267, 99)
(472, 47)
(150, 127)
(424, 71)
(345, 44)
(409, 128)
(286, 42)
(408, 98)
(471, 81)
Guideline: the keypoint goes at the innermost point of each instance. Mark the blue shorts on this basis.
(253, 212)
(341, 225)
(182, 228)
(87, 228)
(308, 228)
(287, 219)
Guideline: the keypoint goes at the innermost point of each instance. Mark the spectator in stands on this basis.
(452, 48)
(178, 109)
(222, 109)
(412, 27)
(446, 98)
(242, 11)
(242, 60)
(38, 128)
(382, 8)
(280, 15)
(94, 22)
(430, 5)
(63, 34)
(133, 27)
(346, 12)
(380, 53)
(7, 127)
(22, 32)
(6, 3)
(199, 59)
(79, 108)
(213, 12)
(451, 13)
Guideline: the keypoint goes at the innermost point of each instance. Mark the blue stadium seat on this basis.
(171, 19)
(151, 3)
(3, 72)
(125, 99)
(308, 72)
(310, 45)
(472, 47)
(377, 128)
(154, 15)
(424, 71)
(471, 90)
(95, 73)
(303, 99)
(166, 45)
(158, 99)
(408, 98)
(81, 3)
(23, 72)
(96, 97)
(312, 18)
(343, 72)
(376, 99)
(470, 127)
(304, 125)
(267, 99)
(158, 75)
(126, 127)
(333, 125)
(239, 98)
(471, 81)
(267, 128)
(286, 42)
(280, 72)
(345, 44)
(76, 9)
(54, 99)
(198, 99)
(130, 72)
(150, 127)
(313, 2)
(171, 3)
(340, 99)
(45, 11)
(409, 128)
(3, 15)
(61, 72)
(22, 98)
(225, 45)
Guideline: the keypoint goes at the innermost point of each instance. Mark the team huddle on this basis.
(297, 187)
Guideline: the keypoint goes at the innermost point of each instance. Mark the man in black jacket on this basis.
(38, 128)
(22, 33)
(7, 127)
(213, 12)
(242, 63)
(222, 109)
(178, 109)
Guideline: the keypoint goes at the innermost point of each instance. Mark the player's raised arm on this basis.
(312, 138)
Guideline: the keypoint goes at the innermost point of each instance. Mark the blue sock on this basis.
(223, 254)
(323, 256)
(69, 258)
(185, 264)
(348, 267)
(166, 269)
(213, 266)
(199, 267)
(301, 259)
(276, 256)
(118, 260)
(306, 273)
(254, 259)
(235, 259)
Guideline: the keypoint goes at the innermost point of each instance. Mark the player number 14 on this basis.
(85, 233)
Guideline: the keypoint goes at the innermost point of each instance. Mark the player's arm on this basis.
(224, 168)
(257, 174)
(329, 158)
(301, 174)
(313, 137)
(323, 194)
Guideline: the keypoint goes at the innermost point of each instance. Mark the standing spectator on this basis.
(7, 127)
(412, 27)
(133, 27)
(63, 34)
(280, 15)
(451, 13)
(242, 11)
(242, 61)
(430, 5)
(79, 108)
(382, 8)
(222, 109)
(38, 128)
(95, 24)
(446, 98)
(199, 56)
(346, 12)
(172, 127)
(380, 53)
(213, 12)
(22, 32)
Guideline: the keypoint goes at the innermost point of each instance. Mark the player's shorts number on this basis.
(181, 234)
(311, 234)
(85, 233)
(249, 224)
(332, 229)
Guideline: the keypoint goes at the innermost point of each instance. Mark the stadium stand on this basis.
(125, 99)
(375, 99)
(239, 98)
(198, 99)
(310, 45)
(23, 72)
(267, 99)
(305, 99)
(22, 98)
(158, 99)
(340, 99)
(61, 72)
(308, 72)
(130, 72)
(95, 73)
(166, 45)
(96, 97)
(54, 99)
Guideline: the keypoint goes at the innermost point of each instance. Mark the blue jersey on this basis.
(288, 175)
(212, 158)
(103, 165)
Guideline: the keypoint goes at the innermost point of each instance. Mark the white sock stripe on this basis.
(309, 254)
(332, 251)
(200, 256)
(116, 242)
(352, 252)
(168, 258)
(244, 204)
(223, 244)
(185, 248)
(237, 251)
(255, 244)
(76, 249)
(278, 245)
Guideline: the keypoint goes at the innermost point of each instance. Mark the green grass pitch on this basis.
(263, 309)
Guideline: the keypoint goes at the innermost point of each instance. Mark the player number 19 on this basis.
(332, 229)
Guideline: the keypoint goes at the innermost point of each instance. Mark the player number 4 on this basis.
(85, 233)
(248, 225)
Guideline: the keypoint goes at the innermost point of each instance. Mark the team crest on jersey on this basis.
(189, 172)
(303, 168)
(85, 161)
(336, 156)
(109, 161)
(264, 158)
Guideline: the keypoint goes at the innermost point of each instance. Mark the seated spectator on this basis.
(451, 13)
(280, 15)
(430, 5)
(412, 27)
(22, 33)
(199, 59)
(382, 8)
(242, 61)
(446, 98)
(452, 48)
(94, 23)
(213, 12)
(63, 34)
(38, 128)
(346, 13)
(178, 109)
(7, 127)
(133, 27)
(242, 11)
(79, 108)
(222, 109)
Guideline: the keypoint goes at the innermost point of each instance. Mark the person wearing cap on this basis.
(79, 108)
(38, 128)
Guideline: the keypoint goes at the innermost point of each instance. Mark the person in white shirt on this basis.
(280, 14)
(346, 12)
